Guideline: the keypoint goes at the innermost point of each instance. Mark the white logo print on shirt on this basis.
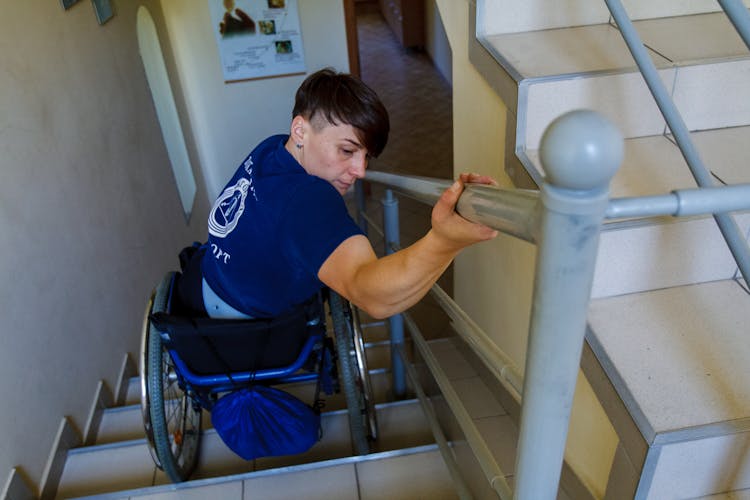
(228, 209)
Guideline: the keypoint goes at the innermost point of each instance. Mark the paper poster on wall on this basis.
(257, 38)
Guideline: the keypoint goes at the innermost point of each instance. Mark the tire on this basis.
(171, 417)
(364, 375)
(353, 376)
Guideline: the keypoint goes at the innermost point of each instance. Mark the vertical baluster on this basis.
(359, 196)
(396, 323)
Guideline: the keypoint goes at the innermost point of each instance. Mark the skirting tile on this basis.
(17, 487)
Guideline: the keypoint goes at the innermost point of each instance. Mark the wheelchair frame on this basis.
(173, 396)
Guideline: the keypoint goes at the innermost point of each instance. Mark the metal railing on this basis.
(580, 152)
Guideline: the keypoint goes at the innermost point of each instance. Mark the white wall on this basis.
(229, 119)
(436, 41)
(89, 211)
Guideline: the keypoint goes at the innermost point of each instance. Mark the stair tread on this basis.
(697, 37)
(729, 495)
(414, 472)
(667, 252)
(670, 41)
(126, 422)
(654, 165)
(116, 466)
(675, 355)
(563, 51)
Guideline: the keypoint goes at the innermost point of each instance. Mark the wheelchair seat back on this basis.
(221, 346)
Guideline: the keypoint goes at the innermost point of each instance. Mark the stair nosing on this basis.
(263, 473)
(210, 430)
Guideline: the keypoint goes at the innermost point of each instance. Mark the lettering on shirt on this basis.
(248, 166)
(220, 254)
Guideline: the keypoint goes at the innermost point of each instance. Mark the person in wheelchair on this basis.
(280, 230)
(279, 234)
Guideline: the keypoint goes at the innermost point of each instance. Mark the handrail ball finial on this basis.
(581, 150)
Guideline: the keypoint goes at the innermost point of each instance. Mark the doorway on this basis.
(411, 84)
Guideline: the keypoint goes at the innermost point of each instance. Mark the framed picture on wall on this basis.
(257, 38)
(66, 4)
(103, 10)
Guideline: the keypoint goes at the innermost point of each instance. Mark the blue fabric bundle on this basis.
(263, 422)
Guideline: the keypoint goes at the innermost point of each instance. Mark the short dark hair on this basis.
(343, 98)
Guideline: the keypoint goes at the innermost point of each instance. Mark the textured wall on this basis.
(89, 212)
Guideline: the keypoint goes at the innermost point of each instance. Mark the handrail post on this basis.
(396, 323)
(361, 201)
(581, 152)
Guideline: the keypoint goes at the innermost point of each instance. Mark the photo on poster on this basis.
(257, 38)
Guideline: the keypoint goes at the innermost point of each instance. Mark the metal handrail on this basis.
(437, 431)
(515, 211)
(511, 211)
(564, 220)
(683, 202)
(495, 476)
(580, 152)
(738, 245)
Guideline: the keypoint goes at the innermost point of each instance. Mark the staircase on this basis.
(667, 349)
(404, 464)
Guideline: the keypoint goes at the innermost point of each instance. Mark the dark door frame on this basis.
(352, 40)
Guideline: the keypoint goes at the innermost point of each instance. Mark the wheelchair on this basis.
(188, 363)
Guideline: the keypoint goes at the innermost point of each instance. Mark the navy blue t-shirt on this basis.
(270, 230)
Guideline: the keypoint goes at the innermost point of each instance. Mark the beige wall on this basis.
(89, 211)
(493, 281)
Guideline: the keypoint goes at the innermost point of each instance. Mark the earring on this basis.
(299, 146)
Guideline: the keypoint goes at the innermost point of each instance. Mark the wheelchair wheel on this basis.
(171, 418)
(353, 374)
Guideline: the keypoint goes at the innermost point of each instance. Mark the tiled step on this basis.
(497, 427)
(678, 359)
(128, 464)
(410, 473)
(508, 16)
(708, 95)
(542, 74)
(729, 495)
(635, 257)
(126, 423)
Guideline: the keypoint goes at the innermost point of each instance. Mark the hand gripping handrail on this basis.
(511, 211)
